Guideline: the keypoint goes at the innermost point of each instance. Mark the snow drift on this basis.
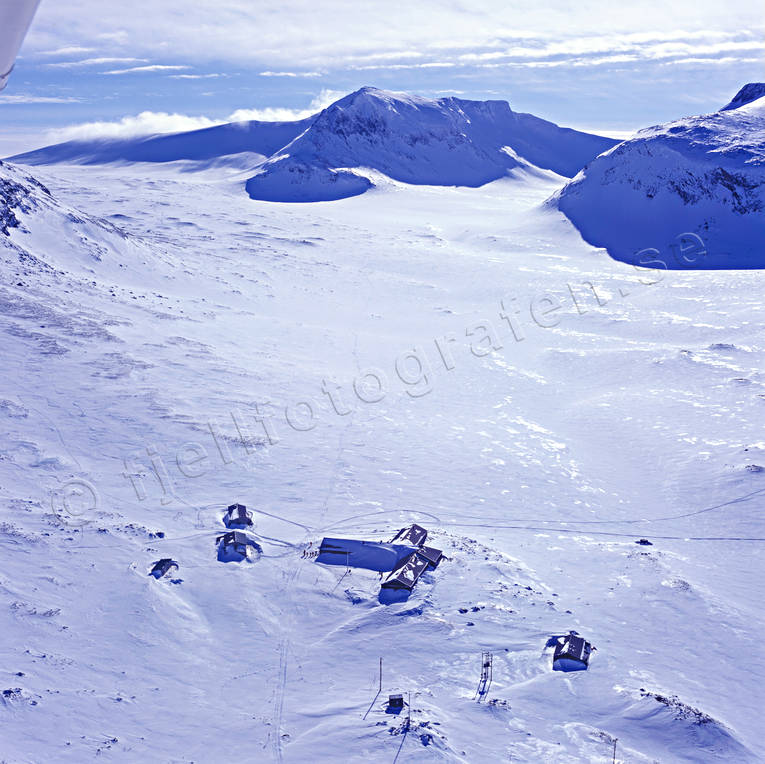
(687, 194)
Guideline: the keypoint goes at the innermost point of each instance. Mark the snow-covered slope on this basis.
(605, 407)
(446, 142)
(689, 193)
(254, 140)
(49, 236)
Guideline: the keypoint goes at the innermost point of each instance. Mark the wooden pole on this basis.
(614, 759)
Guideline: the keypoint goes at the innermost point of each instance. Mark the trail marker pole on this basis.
(379, 690)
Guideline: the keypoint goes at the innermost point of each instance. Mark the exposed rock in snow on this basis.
(17, 192)
(687, 194)
(448, 142)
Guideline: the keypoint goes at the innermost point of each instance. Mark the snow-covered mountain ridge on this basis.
(407, 138)
(245, 143)
(448, 142)
(695, 183)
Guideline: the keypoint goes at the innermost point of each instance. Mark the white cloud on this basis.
(149, 68)
(290, 74)
(333, 34)
(195, 76)
(152, 122)
(36, 99)
(145, 123)
(722, 61)
(70, 50)
(278, 114)
(94, 62)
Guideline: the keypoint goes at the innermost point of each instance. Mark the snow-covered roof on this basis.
(236, 537)
(431, 554)
(406, 573)
(575, 647)
(371, 555)
(163, 565)
(414, 535)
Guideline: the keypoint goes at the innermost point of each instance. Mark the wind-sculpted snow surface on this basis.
(687, 194)
(445, 142)
(47, 235)
(540, 410)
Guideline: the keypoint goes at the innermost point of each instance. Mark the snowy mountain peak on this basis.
(370, 94)
(747, 94)
(417, 140)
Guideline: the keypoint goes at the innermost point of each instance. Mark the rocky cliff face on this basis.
(747, 94)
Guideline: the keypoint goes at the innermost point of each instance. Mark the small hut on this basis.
(163, 567)
(572, 653)
(395, 701)
(236, 545)
(237, 516)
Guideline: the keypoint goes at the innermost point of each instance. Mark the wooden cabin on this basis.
(237, 545)
(572, 653)
(237, 516)
(163, 567)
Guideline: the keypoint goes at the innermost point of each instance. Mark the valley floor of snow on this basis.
(344, 369)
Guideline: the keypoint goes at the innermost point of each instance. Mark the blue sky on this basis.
(102, 68)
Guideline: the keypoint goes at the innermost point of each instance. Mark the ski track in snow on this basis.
(535, 467)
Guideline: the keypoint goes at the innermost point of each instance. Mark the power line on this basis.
(548, 529)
